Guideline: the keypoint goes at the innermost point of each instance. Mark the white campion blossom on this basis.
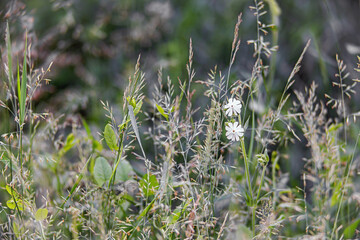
(234, 131)
(233, 107)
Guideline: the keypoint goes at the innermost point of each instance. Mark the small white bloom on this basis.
(233, 107)
(234, 131)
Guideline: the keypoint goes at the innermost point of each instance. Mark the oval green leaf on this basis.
(123, 171)
(110, 137)
(41, 214)
(102, 171)
(12, 205)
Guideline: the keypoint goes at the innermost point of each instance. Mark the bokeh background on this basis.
(94, 45)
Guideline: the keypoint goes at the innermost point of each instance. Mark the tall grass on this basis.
(63, 181)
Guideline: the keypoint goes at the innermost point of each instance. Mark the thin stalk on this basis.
(256, 201)
(261, 182)
(118, 158)
(10, 158)
(11, 179)
(247, 175)
(32, 135)
(21, 154)
(257, 68)
(228, 76)
(247, 171)
(344, 186)
(9, 55)
(275, 40)
(253, 220)
(273, 173)
(112, 177)
(305, 205)
(342, 100)
(76, 184)
(10, 73)
(252, 132)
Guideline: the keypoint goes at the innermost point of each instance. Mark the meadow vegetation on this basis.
(184, 157)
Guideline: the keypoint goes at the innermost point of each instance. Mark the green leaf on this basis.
(123, 171)
(124, 206)
(135, 128)
(336, 194)
(149, 184)
(69, 143)
(146, 210)
(102, 171)
(123, 125)
(110, 137)
(334, 127)
(178, 212)
(23, 87)
(41, 214)
(131, 101)
(350, 230)
(12, 205)
(87, 129)
(12, 191)
(162, 112)
(175, 215)
(138, 107)
(95, 144)
(18, 84)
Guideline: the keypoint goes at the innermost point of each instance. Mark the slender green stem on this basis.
(247, 171)
(348, 169)
(261, 182)
(253, 220)
(10, 159)
(21, 162)
(274, 178)
(32, 135)
(275, 40)
(252, 138)
(76, 184)
(256, 201)
(21, 151)
(112, 178)
(11, 179)
(247, 175)
(343, 103)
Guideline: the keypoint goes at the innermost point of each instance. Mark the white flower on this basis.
(233, 106)
(234, 131)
